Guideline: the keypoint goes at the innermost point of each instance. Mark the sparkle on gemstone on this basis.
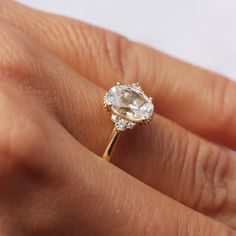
(121, 124)
(114, 118)
(130, 125)
(129, 102)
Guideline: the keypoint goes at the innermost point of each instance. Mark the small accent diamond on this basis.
(114, 117)
(121, 125)
(130, 125)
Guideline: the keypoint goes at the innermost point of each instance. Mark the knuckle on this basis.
(211, 167)
(117, 52)
(20, 138)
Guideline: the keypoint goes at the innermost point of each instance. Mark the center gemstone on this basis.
(130, 103)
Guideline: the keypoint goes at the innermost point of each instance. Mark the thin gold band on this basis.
(111, 145)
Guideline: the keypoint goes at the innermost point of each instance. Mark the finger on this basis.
(52, 185)
(182, 91)
(161, 155)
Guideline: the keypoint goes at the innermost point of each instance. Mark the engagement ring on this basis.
(129, 107)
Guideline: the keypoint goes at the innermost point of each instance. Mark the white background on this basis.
(199, 31)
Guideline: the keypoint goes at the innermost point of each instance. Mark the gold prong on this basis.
(144, 122)
(118, 83)
(107, 107)
(136, 84)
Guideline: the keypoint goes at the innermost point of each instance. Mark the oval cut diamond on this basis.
(130, 103)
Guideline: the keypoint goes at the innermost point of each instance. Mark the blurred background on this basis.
(202, 32)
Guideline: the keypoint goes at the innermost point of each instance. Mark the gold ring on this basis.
(129, 107)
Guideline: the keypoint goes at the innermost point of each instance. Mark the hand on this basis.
(54, 72)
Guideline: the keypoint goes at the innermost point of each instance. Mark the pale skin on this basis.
(172, 177)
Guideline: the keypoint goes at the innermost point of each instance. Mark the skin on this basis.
(172, 177)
